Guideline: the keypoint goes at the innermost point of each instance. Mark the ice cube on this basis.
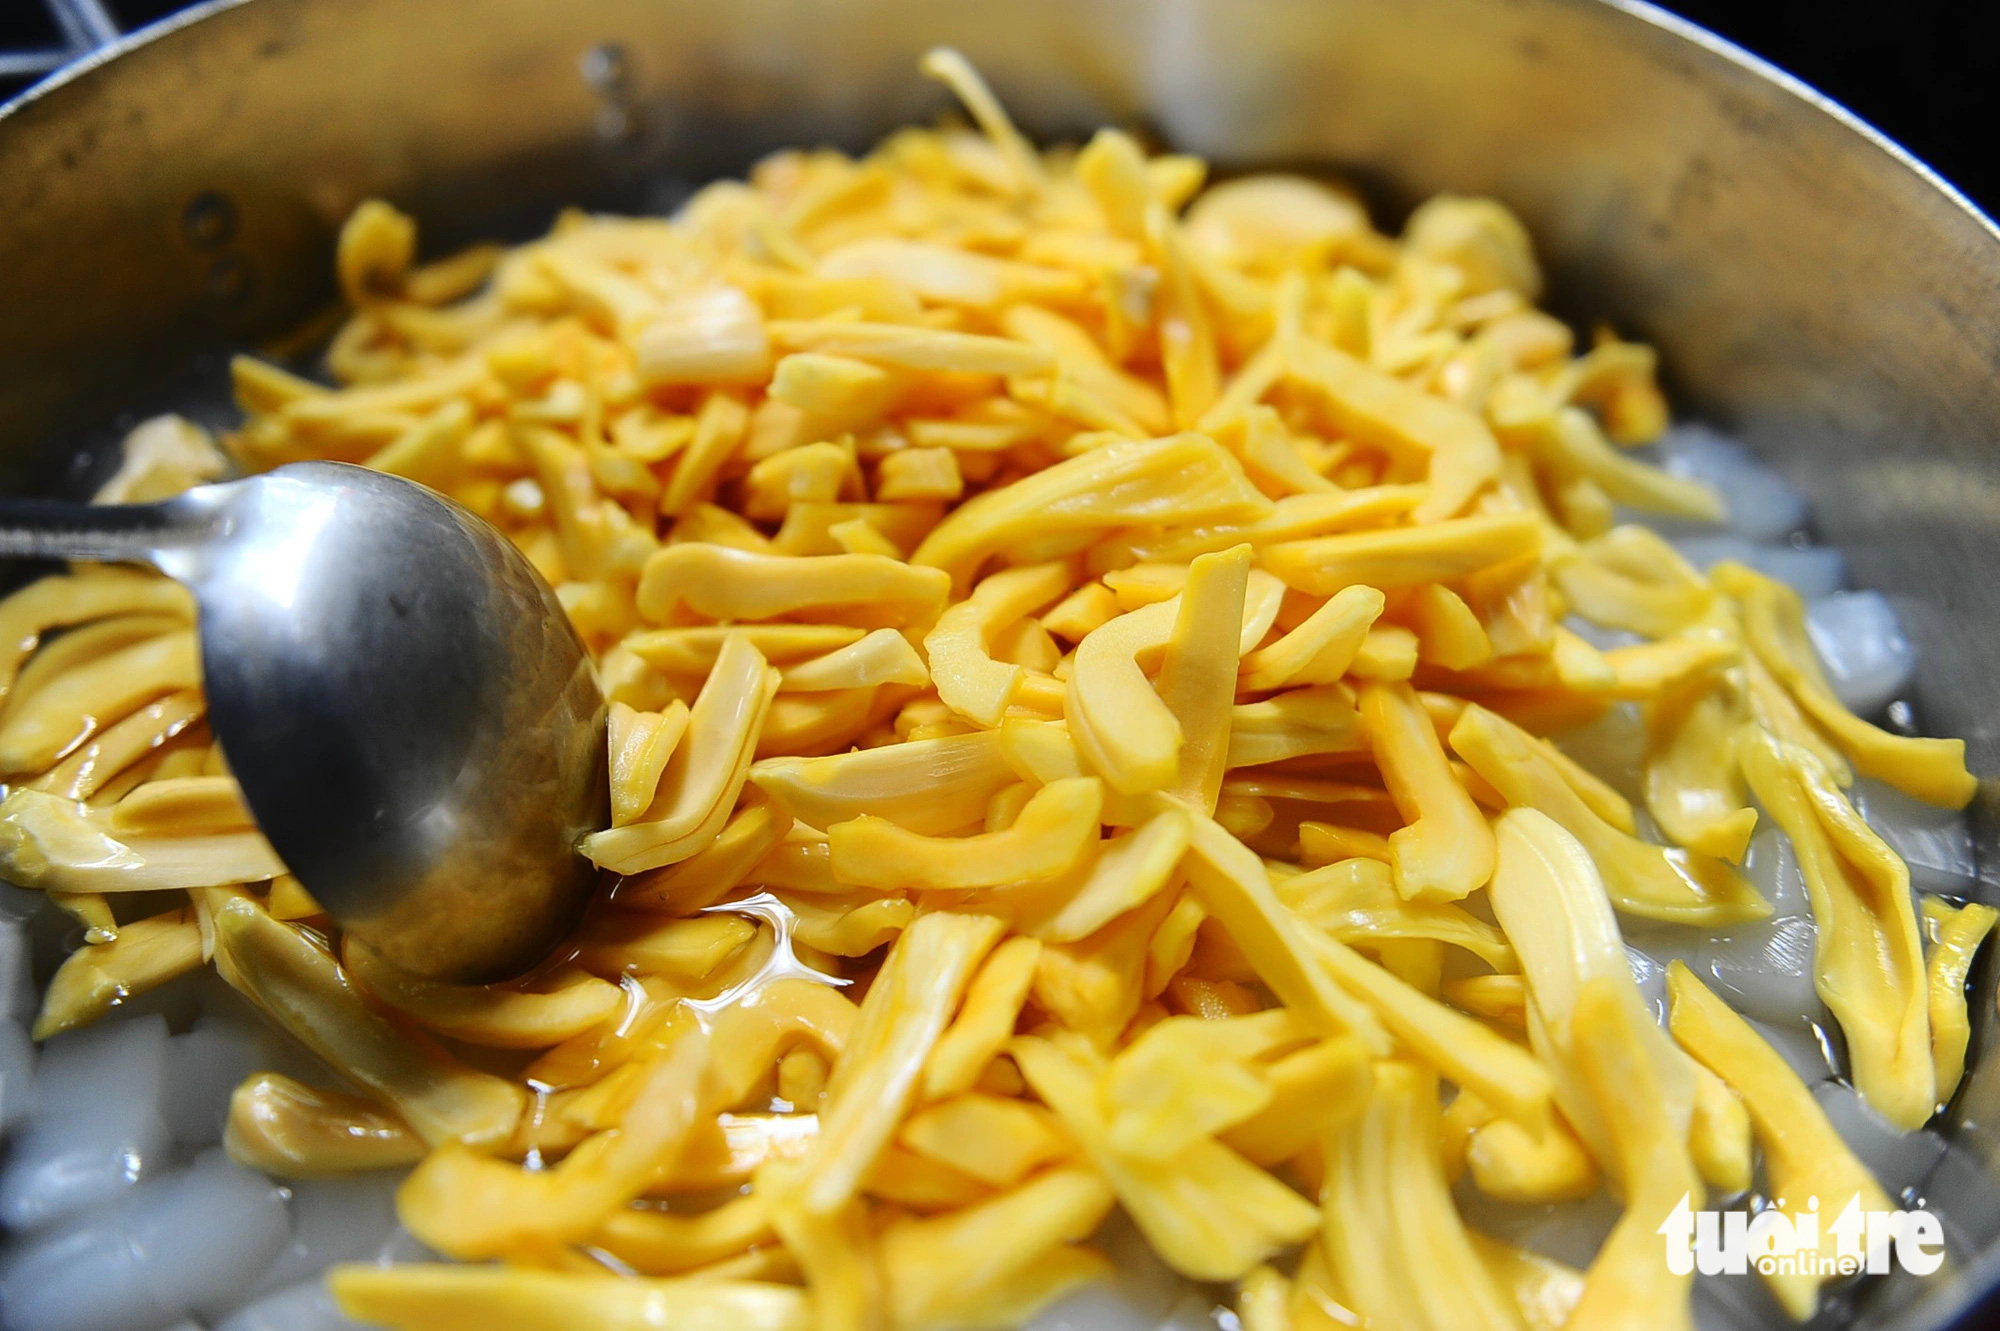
(1765, 970)
(1762, 504)
(148, 1258)
(1936, 843)
(1773, 868)
(1898, 1160)
(95, 1128)
(1861, 644)
(1803, 1042)
(306, 1306)
(203, 1067)
(1809, 570)
(333, 1220)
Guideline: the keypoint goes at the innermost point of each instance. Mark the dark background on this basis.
(1925, 72)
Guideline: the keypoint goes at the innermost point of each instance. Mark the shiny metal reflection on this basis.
(412, 719)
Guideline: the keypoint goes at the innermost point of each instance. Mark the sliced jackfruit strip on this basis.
(1498, 1070)
(1232, 885)
(1356, 901)
(1185, 1078)
(1932, 770)
(1693, 784)
(1298, 723)
(1630, 578)
(1391, 1226)
(1209, 1213)
(1573, 443)
(291, 1130)
(662, 1243)
(1804, 1158)
(968, 679)
(1868, 958)
(1549, 900)
(1649, 881)
(1444, 850)
(1057, 831)
(878, 1074)
(927, 786)
(61, 846)
(958, 1270)
(1129, 871)
(306, 992)
(727, 584)
(471, 1206)
(702, 779)
(1198, 670)
(1956, 933)
(1384, 412)
(94, 978)
(496, 1016)
(1184, 479)
(754, 831)
(421, 1296)
(995, 1139)
(641, 745)
(76, 690)
(1313, 1090)
(1321, 648)
(985, 1023)
(1645, 1113)
(1292, 518)
(1444, 551)
(1094, 986)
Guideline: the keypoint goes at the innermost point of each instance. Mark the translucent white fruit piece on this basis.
(333, 1220)
(1762, 504)
(145, 1260)
(1861, 644)
(95, 1128)
(306, 1306)
(203, 1068)
(1898, 1160)
(1934, 842)
(17, 1075)
(1809, 570)
(1764, 970)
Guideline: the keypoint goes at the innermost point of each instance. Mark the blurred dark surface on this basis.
(1924, 72)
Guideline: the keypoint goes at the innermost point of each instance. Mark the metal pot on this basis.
(1810, 286)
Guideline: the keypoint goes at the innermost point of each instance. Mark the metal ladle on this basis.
(413, 721)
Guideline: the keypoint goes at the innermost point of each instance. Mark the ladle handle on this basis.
(107, 533)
